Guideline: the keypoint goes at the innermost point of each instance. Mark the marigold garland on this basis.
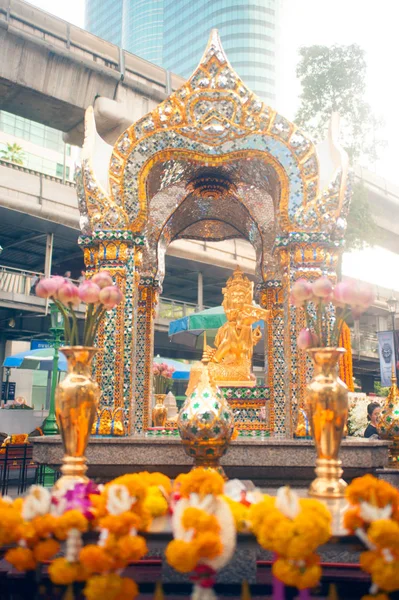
(345, 360)
(118, 511)
(292, 529)
(203, 528)
(205, 524)
(374, 518)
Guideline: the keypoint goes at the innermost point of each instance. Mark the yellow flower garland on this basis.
(374, 517)
(294, 537)
(203, 529)
(345, 361)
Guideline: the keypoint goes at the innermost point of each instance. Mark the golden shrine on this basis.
(212, 162)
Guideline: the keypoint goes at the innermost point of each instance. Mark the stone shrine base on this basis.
(267, 462)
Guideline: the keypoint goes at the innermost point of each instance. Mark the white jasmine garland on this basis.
(118, 499)
(37, 503)
(218, 508)
(287, 502)
(370, 513)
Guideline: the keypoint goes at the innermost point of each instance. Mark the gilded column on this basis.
(115, 252)
(147, 300)
(270, 297)
(307, 256)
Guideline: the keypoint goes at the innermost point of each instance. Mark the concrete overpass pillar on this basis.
(49, 254)
(200, 295)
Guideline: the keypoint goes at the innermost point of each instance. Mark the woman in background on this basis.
(373, 411)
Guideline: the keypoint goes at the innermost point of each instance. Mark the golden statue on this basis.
(230, 362)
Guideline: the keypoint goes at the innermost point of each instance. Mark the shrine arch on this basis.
(211, 157)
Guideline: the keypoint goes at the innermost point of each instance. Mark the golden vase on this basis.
(388, 422)
(159, 412)
(76, 404)
(326, 402)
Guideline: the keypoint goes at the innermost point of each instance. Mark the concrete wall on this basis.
(38, 195)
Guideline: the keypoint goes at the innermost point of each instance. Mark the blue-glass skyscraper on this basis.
(173, 33)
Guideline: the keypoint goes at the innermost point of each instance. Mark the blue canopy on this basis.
(182, 370)
(40, 360)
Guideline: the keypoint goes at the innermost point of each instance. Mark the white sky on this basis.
(374, 26)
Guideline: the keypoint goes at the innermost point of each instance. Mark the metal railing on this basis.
(18, 281)
(174, 309)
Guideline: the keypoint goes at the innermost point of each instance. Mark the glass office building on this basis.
(173, 33)
(104, 18)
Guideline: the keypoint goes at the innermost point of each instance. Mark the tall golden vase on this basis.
(326, 402)
(76, 404)
(159, 412)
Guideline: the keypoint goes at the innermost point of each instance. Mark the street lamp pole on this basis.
(50, 426)
(392, 306)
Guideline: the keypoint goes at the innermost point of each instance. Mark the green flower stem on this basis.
(75, 330)
(98, 317)
(67, 325)
(88, 324)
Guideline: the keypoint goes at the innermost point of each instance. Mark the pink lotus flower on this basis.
(156, 370)
(343, 294)
(110, 296)
(307, 339)
(322, 288)
(363, 297)
(103, 279)
(46, 288)
(89, 292)
(68, 294)
(300, 292)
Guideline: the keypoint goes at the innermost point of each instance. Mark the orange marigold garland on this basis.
(345, 361)
(374, 518)
(118, 510)
(203, 529)
(293, 529)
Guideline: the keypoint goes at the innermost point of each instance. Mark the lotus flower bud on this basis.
(102, 279)
(46, 288)
(300, 292)
(307, 339)
(68, 294)
(89, 292)
(110, 296)
(322, 288)
(343, 294)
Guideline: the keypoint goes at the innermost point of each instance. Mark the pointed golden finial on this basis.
(245, 591)
(158, 593)
(205, 353)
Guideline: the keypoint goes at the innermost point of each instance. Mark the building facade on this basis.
(173, 33)
(39, 148)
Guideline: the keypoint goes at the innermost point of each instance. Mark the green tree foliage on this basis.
(380, 391)
(333, 80)
(14, 154)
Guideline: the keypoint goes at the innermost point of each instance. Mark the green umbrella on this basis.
(189, 330)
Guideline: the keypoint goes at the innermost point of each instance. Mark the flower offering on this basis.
(98, 293)
(374, 518)
(162, 375)
(348, 298)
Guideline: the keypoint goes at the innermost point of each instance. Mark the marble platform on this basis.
(267, 462)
